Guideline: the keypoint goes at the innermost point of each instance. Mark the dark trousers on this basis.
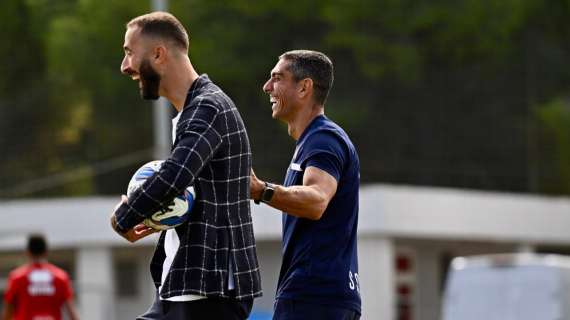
(286, 309)
(205, 309)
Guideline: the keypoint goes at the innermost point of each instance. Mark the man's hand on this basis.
(137, 232)
(256, 186)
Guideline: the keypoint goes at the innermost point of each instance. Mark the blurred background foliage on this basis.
(457, 93)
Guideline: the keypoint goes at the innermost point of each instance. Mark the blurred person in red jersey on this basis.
(38, 290)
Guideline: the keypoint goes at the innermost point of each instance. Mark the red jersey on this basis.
(37, 291)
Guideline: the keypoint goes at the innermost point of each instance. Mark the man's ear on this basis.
(305, 87)
(159, 54)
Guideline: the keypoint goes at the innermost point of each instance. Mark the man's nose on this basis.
(267, 86)
(125, 66)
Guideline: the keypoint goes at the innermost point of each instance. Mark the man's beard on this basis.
(150, 81)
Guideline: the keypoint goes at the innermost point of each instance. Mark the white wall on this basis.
(95, 283)
(130, 307)
(439, 213)
(376, 273)
(269, 254)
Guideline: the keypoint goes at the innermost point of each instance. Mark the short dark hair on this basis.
(314, 65)
(37, 245)
(162, 25)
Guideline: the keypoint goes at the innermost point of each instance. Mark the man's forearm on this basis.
(71, 311)
(300, 201)
(309, 200)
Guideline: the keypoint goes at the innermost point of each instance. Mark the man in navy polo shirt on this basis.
(319, 198)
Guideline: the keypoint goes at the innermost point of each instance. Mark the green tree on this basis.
(436, 93)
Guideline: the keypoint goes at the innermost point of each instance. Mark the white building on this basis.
(407, 236)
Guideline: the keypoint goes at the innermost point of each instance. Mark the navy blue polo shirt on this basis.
(320, 263)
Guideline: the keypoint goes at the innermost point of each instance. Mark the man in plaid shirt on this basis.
(206, 268)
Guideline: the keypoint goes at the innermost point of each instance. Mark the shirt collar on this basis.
(310, 127)
(196, 88)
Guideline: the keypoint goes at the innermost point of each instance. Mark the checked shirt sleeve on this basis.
(196, 142)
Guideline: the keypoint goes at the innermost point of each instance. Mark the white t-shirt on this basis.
(172, 243)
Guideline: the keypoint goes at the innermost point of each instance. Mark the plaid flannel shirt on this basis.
(211, 152)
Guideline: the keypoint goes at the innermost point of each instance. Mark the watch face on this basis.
(267, 194)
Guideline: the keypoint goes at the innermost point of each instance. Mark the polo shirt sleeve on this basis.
(10, 293)
(325, 151)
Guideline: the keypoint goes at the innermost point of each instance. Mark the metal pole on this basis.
(162, 124)
(162, 135)
(159, 5)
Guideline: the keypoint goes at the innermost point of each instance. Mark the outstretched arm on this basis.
(306, 201)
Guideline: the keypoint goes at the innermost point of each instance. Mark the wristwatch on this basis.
(267, 193)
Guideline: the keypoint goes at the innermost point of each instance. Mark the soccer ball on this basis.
(170, 216)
